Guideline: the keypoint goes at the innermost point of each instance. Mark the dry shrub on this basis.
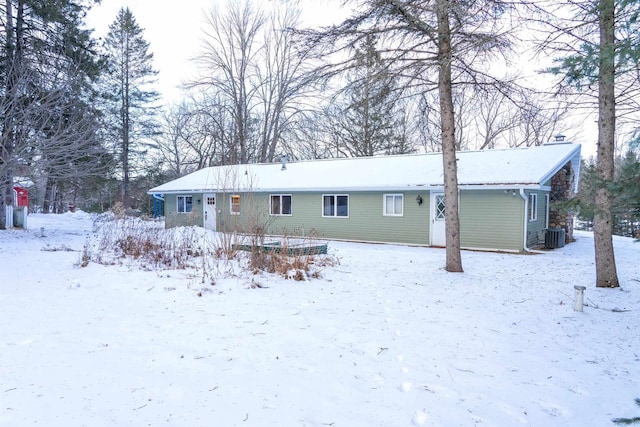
(118, 210)
(143, 241)
(284, 260)
(226, 245)
(149, 245)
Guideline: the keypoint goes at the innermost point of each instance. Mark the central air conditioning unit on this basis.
(554, 238)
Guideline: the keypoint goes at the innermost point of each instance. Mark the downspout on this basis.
(524, 228)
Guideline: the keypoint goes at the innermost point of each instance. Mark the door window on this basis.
(440, 207)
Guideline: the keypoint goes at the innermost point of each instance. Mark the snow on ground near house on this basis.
(386, 338)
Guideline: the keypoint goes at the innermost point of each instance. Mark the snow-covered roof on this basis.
(517, 167)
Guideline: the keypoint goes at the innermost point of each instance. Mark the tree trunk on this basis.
(606, 273)
(4, 197)
(447, 121)
(12, 64)
(126, 126)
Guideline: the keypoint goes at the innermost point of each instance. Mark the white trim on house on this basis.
(572, 157)
(335, 205)
(393, 204)
(184, 203)
(546, 213)
(532, 208)
(231, 204)
(525, 223)
(281, 196)
(387, 189)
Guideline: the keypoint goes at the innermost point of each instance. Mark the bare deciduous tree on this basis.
(253, 67)
(284, 81)
(429, 45)
(230, 50)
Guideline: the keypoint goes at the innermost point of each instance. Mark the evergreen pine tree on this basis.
(365, 126)
(131, 100)
(603, 65)
(47, 66)
(626, 192)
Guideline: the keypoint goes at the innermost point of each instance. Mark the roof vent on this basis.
(559, 137)
(284, 162)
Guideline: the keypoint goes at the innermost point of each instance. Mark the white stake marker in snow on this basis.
(579, 297)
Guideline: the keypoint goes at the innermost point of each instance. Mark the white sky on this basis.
(175, 33)
(172, 32)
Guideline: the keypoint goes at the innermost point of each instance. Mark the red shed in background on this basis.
(21, 197)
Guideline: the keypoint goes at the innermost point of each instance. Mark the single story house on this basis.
(506, 197)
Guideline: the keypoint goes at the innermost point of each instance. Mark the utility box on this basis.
(554, 238)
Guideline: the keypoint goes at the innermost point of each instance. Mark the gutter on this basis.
(334, 189)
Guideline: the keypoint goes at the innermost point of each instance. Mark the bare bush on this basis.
(145, 242)
(117, 241)
(290, 257)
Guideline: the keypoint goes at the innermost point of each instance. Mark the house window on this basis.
(280, 204)
(546, 211)
(533, 206)
(235, 204)
(335, 205)
(185, 204)
(393, 204)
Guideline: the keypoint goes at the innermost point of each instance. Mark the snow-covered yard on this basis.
(385, 338)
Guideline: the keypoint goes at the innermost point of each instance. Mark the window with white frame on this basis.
(546, 210)
(533, 206)
(235, 204)
(393, 204)
(280, 204)
(185, 204)
(335, 205)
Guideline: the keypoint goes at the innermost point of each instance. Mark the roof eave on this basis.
(574, 157)
(408, 187)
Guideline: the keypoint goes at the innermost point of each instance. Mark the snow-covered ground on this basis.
(385, 338)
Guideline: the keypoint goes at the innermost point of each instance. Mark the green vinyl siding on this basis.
(366, 220)
(254, 212)
(491, 219)
(536, 229)
(175, 219)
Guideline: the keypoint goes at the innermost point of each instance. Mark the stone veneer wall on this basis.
(562, 185)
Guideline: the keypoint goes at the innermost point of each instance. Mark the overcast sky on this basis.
(174, 33)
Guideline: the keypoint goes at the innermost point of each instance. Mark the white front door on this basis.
(210, 212)
(438, 210)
